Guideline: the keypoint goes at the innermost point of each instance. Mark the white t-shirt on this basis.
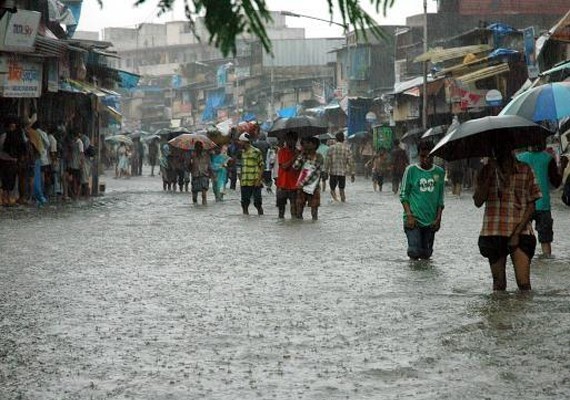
(52, 144)
(44, 159)
(76, 154)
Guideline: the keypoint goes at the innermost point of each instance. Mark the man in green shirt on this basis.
(421, 196)
(251, 176)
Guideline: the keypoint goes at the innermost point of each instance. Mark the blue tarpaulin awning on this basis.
(288, 112)
(128, 79)
(216, 99)
(248, 117)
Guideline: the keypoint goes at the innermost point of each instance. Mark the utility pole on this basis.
(425, 69)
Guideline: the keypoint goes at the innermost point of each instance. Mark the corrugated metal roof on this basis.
(302, 52)
(402, 87)
(50, 47)
(439, 54)
(484, 73)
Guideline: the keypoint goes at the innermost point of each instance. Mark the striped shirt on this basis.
(251, 167)
(505, 211)
(339, 160)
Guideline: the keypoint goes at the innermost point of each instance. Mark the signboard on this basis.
(382, 137)
(530, 52)
(20, 31)
(23, 80)
(494, 98)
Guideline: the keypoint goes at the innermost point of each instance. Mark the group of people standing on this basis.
(36, 164)
(129, 158)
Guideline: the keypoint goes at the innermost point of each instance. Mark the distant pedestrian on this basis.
(88, 152)
(323, 150)
(76, 163)
(270, 160)
(123, 156)
(379, 166)
(201, 170)
(422, 197)
(263, 145)
(456, 171)
(166, 171)
(152, 154)
(547, 173)
(219, 162)
(234, 163)
(509, 190)
(55, 178)
(12, 148)
(338, 164)
(399, 160)
(287, 176)
(140, 155)
(251, 176)
(310, 164)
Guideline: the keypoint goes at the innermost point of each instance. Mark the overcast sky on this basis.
(121, 13)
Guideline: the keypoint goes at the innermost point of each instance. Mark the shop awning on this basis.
(113, 113)
(484, 73)
(86, 88)
(50, 47)
(414, 86)
(439, 54)
(459, 69)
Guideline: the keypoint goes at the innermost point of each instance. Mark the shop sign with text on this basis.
(24, 79)
(19, 31)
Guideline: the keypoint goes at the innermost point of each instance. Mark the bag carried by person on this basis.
(89, 151)
(306, 179)
(566, 192)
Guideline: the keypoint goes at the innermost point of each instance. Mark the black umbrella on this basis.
(324, 136)
(412, 135)
(480, 137)
(435, 132)
(304, 125)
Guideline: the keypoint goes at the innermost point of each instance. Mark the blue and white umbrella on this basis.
(550, 102)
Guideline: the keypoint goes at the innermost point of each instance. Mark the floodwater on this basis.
(139, 295)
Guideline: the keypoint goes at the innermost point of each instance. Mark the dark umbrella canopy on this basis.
(171, 131)
(480, 137)
(324, 136)
(361, 135)
(304, 125)
(435, 132)
(412, 135)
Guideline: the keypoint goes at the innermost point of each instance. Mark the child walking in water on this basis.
(308, 188)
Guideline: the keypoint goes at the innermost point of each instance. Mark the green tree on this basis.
(225, 20)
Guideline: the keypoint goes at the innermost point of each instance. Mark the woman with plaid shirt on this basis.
(508, 189)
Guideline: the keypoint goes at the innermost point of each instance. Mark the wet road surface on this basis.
(139, 295)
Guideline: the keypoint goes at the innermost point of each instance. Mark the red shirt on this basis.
(286, 177)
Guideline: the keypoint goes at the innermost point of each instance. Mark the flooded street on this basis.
(139, 295)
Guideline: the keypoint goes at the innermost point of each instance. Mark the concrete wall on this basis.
(295, 52)
(86, 35)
